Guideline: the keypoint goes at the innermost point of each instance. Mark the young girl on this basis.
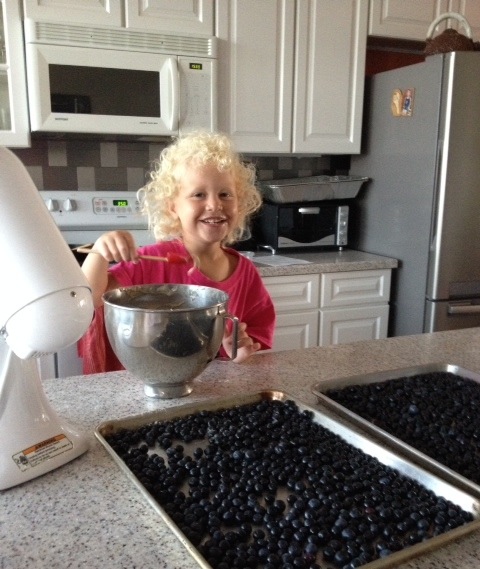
(198, 201)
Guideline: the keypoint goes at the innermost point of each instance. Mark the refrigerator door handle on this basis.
(463, 309)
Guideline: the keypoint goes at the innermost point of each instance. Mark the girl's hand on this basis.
(112, 246)
(245, 345)
(116, 246)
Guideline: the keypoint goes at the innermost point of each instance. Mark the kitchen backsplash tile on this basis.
(36, 173)
(85, 177)
(36, 156)
(136, 177)
(57, 153)
(61, 178)
(108, 155)
(94, 165)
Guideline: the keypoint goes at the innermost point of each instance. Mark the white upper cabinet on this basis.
(91, 12)
(330, 44)
(291, 74)
(14, 126)
(172, 16)
(256, 50)
(471, 10)
(410, 19)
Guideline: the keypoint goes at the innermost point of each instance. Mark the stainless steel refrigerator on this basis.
(421, 149)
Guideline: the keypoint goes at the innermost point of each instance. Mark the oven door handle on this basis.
(309, 210)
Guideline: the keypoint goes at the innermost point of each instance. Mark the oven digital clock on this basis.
(120, 203)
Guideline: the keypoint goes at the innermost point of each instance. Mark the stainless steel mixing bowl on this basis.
(167, 334)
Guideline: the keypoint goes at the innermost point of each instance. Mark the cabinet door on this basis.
(294, 292)
(256, 73)
(329, 76)
(295, 298)
(91, 12)
(352, 324)
(295, 330)
(406, 19)
(173, 16)
(471, 10)
(14, 127)
(353, 288)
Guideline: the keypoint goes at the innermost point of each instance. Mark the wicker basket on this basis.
(449, 40)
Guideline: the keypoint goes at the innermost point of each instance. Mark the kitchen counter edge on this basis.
(325, 262)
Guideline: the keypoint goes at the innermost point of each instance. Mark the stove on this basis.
(82, 216)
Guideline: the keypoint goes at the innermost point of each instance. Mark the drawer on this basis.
(345, 325)
(355, 288)
(294, 292)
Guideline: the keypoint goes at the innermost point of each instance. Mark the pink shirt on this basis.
(248, 297)
(248, 300)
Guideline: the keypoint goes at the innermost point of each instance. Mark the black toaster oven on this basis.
(307, 225)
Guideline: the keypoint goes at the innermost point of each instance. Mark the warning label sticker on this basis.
(38, 453)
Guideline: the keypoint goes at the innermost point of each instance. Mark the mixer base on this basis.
(167, 391)
(34, 439)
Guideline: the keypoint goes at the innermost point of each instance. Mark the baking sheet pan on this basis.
(413, 454)
(312, 188)
(365, 443)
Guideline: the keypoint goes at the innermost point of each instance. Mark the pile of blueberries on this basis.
(436, 413)
(265, 485)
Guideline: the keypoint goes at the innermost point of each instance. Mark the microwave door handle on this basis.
(309, 210)
(169, 92)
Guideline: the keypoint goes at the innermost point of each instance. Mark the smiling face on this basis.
(206, 205)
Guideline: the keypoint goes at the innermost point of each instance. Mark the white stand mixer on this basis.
(45, 305)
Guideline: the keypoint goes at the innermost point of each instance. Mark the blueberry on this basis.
(225, 494)
(311, 549)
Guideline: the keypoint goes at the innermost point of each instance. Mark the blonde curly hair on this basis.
(197, 148)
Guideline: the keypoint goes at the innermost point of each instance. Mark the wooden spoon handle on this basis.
(170, 258)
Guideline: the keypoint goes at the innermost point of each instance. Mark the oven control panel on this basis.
(94, 209)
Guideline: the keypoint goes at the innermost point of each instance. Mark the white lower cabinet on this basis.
(331, 308)
(354, 306)
(344, 325)
(296, 303)
(296, 330)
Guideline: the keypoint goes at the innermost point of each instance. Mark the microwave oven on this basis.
(118, 81)
(299, 226)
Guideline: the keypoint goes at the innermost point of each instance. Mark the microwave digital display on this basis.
(104, 91)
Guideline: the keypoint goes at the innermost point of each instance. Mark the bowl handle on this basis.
(235, 322)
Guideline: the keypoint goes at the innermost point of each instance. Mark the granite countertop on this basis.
(324, 262)
(88, 514)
